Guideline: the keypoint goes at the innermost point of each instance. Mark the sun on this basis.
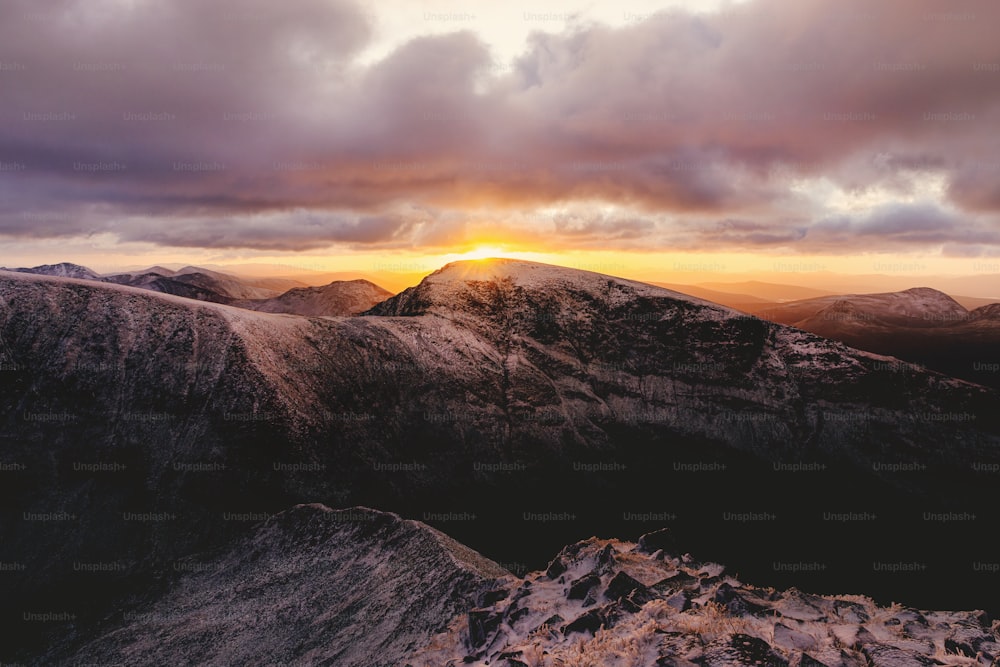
(483, 252)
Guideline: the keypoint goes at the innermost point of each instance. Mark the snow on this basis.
(791, 624)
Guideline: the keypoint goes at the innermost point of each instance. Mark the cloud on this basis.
(252, 124)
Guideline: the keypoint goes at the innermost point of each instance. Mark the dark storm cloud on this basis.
(249, 124)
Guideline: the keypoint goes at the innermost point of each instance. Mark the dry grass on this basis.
(711, 622)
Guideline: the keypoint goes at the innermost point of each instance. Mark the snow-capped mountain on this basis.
(917, 307)
(491, 391)
(63, 269)
(920, 325)
(361, 588)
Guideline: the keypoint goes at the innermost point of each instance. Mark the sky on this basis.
(636, 138)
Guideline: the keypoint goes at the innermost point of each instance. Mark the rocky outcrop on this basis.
(627, 619)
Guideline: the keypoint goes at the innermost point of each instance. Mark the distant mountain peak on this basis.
(337, 299)
(62, 270)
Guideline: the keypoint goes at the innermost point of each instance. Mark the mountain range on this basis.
(270, 295)
(519, 406)
(919, 325)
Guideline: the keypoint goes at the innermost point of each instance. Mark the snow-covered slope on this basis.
(620, 604)
(339, 298)
(310, 586)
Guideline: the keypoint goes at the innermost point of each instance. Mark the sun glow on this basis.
(483, 252)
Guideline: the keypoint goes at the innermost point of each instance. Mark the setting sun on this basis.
(484, 252)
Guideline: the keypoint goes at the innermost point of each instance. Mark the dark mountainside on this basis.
(518, 406)
(348, 297)
(310, 586)
(359, 588)
(920, 325)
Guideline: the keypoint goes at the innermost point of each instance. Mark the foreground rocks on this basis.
(650, 607)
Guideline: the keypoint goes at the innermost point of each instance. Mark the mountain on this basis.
(364, 588)
(336, 299)
(270, 295)
(355, 588)
(236, 287)
(919, 325)
(63, 269)
(133, 423)
(730, 299)
(764, 290)
(916, 307)
(190, 286)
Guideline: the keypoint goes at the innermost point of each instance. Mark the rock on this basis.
(677, 581)
(851, 612)
(790, 638)
(658, 540)
(907, 616)
(679, 601)
(959, 648)
(622, 586)
(483, 624)
(673, 661)
(806, 660)
(512, 659)
(969, 640)
(556, 568)
(990, 648)
(864, 637)
(489, 598)
(590, 622)
(595, 619)
(606, 560)
(736, 602)
(580, 588)
(799, 607)
(918, 631)
(554, 621)
(880, 655)
(743, 650)
(515, 614)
